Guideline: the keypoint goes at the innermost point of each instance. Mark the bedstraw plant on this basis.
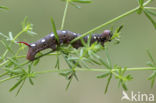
(13, 64)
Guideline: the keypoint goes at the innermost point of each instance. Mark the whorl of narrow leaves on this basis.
(152, 63)
(147, 12)
(150, 18)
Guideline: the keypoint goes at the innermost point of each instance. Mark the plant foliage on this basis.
(12, 65)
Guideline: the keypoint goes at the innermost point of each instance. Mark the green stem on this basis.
(96, 70)
(150, 8)
(4, 63)
(64, 15)
(107, 23)
(3, 80)
(110, 21)
(19, 34)
(3, 74)
(11, 42)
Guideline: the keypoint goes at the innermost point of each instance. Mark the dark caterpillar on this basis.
(65, 37)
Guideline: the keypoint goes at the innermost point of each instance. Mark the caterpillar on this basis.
(65, 37)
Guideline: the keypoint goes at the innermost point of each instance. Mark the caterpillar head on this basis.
(31, 51)
(106, 35)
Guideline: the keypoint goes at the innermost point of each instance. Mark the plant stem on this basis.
(19, 34)
(3, 80)
(13, 40)
(4, 63)
(64, 15)
(150, 8)
(110, 21)
(3, 74)
(96, 70)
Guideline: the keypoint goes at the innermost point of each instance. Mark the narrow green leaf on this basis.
(84, 64)
(36, 62)
(152, 82)
(150, 12)
(54, 29)
(75, 5)
(119, 83)
(149, 63)
(141, 2)
(104, 63)
(3, 7)
(82, 1)
(69, 83)
(76, 63)
(75, 75)
(83, 42)
(13, 61)
(108, 82)
(129, 77)
(65, 74)
(20, 87)
(31, 33)
(7, 47)
(81, 52)
(103, 75)
(124, 86)
(65, 58)
(108, 57)
(73, 58)
(10, 36)
(70, 66)
(31, 81)
(150, 18)
(6, 79)
(150, 56)
(17, 84)
(123, 70)
(29, 68)
(14, 71)
(94, 61)
(152, 77)
(119, 29)
(116, 34)
(100, 60)
(3, 74)
(89, 39)
(25, 22)
(4, 36)
(57, 62)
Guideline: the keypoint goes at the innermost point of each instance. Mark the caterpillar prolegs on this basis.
(65, 37)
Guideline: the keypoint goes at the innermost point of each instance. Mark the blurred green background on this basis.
(137, 35)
